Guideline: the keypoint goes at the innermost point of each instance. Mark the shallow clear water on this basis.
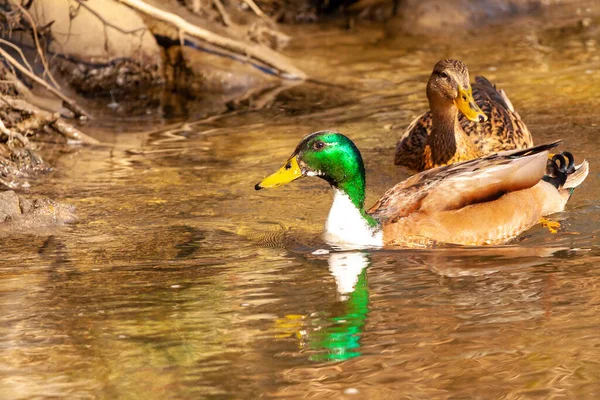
(181, 281)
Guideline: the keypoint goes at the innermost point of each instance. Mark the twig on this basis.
(258, 52)
(96, 14)
(37, 43)
(12, 134)
(18, 50)
(24, 90)
(196, 6)
(258, 11)
(222, 11)
(70, 104)
(139, 32)
(18, 104)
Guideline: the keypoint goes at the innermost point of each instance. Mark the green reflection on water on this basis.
(341, 340)
(341, 337)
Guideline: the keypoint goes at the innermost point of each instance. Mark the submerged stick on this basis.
(257, 52)
(72, 133)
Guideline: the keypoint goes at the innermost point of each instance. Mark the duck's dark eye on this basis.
(318, 145)
(444, 74)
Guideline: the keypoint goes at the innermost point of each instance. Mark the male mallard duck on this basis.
(488, 200)
(442, 136)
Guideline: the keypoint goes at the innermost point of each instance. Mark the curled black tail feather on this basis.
(559, 168)
(571, 166)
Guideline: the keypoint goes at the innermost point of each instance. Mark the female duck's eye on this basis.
(444, 75)
(318, 145)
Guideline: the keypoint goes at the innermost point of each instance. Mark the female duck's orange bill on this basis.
(466, 104)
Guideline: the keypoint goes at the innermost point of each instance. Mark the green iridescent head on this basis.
(328, 155)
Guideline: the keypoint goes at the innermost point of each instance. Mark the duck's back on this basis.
(483, 201)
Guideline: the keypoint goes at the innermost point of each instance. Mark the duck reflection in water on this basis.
(336, 335)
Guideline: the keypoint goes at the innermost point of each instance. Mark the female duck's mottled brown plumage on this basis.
(444, 135)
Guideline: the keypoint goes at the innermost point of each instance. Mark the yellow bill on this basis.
(286, 174)
(466, 104)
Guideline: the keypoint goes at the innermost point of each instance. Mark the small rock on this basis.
(18, 213)
(9, 205)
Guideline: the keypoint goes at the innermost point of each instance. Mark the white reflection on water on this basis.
(345, 268)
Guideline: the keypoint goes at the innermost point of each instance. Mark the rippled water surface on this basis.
(181, 281)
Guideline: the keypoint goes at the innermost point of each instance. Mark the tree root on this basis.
(259, 53)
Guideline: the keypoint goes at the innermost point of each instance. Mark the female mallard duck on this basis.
(488, 200)
(442, 136)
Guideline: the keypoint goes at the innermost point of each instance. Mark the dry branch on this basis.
(222, 12)
(50, 119)
(109, 23)
(260, 53)
(258, 11)
(70, 104)
(18, 50)
(38, 46)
